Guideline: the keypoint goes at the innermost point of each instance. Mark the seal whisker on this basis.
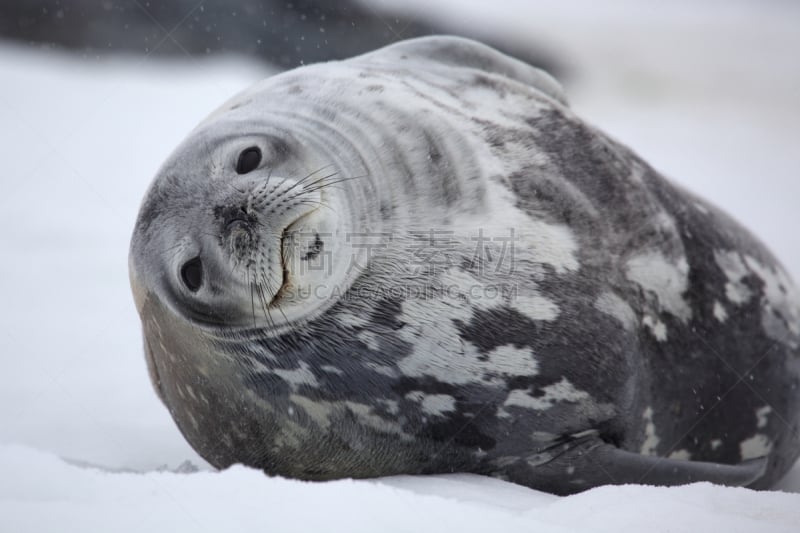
(266, 283)
(298, 182)
(316, 171)
(273, 294)
(325, 185)
(286, 191)
(315, 203)
(252, 296)
(264, 305)
(300, 197)
(235, 188)
(319, 180)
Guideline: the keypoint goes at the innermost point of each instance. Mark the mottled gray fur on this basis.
(534, 303)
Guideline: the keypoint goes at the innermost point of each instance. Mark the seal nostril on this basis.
(239, 217)
(192, 274)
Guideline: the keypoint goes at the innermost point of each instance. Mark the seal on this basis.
(419, 260)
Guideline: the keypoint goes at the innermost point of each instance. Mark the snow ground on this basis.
(50, 495)
(710, 98)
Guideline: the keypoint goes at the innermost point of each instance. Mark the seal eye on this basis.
(192, 274)
(248, 160)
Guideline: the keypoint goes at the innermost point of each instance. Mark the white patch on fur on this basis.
(508, 360)
(321, 412)
(737, 293)
(440, 352)
(438, 349)
(332, 370)
(365, 415)
(681, 455)
(786, 301)
(611, 304)
(716, 444)
(359, 322)
(383, 370)
(292, 433)
(719, 312)
(458, 282)
(657, 328)
(391, 405)
(433, 404)
(505, 461)
(651, 440)
(655, 273)
(637, 172)
(543, 436)
(353, 320)
(193, 420)
(780, 316)
(563, 391)
(762, 415)
(735, 270)
(550, 244)
(370, 339)
(297, 377)
(756, 446)
(666, 222)
(190, 390)
(535, 307)
(773, 280)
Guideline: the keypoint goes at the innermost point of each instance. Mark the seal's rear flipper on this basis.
(631, 467)
(592, 462)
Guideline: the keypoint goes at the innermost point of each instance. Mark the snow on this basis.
(51, 495)
(709, 97)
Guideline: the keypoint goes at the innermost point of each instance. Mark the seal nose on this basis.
(192, 274)
(238, 217)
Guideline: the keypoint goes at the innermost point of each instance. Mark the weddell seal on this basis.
(419, 260)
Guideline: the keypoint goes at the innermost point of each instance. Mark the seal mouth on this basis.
(238, 217)
(237, 223)
(286, 235)
(284, 269)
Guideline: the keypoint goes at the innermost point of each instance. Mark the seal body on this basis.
(420, 260)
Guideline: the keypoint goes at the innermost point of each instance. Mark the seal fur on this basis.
(438, 267)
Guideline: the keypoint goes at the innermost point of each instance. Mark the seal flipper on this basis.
(461, 52)
(591, 462)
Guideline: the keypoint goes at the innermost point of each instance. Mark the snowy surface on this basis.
(46, 494)
(711, 98)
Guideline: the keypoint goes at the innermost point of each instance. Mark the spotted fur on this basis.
(527, 298)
